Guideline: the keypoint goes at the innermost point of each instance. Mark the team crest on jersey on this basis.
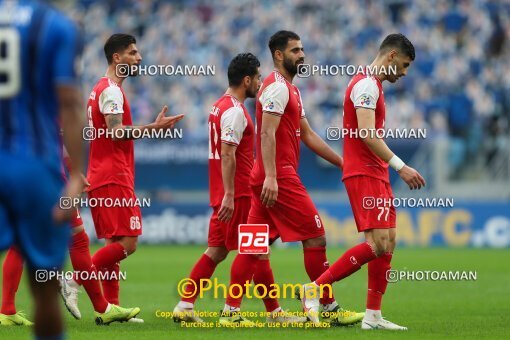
(229, 132)
(114, 107)
(365, 100)
(269, 105)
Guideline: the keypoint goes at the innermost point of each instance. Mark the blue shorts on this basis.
(29, 190)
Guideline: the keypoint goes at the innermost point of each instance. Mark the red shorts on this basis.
(114, 221)
(370, 200)
(76, 220)
(223, 234)
(294, 217)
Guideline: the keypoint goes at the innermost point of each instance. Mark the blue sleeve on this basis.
(68, 46)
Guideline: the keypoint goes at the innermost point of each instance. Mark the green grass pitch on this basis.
(462, 309)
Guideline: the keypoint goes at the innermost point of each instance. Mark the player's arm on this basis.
(318, 145)
(366, 120)
(228, 172)
(114, 122)
(70, 105)
(232, 126)
(69, 165)
(270, 123)
(273, 99)
(67, 51)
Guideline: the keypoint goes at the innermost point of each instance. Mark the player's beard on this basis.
(250, 93)
(134, 72)
(291, 67)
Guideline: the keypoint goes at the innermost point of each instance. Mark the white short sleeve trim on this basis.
(274, 98)
(232, 125)
(365, 93)
(111, 100)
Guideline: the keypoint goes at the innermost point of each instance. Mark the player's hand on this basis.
(227, 208)
(269, 192)
(72, 190)
(85, 182)
(164, 122)
(411, 177)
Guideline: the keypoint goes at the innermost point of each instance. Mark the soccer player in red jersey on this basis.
(111, 160)
(279, 197)
(81, 260)
(366, 179)
(231, 138)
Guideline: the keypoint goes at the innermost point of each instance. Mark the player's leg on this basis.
(206, 264)
(202, 270)
(263, 275)
(47, 317)
(377, 283)
(263, 278)
(11, 277)
(82, 263)
(354, 258)
(85, 274)
(297, 219)
(42, 242)
(349, 263)
(107, 261)
(10, 197)
(242, 269)
(120, 227)
(241, 272)
(366, 219)
(316, 262)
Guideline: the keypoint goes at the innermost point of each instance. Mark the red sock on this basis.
(377, 282)
(111, 287)
(350, 262)
(11, 276)
(107, 260)
(264, 276)
(317, 263)
(109, 255)
(242, 271)
(82, 262)
(203, 269)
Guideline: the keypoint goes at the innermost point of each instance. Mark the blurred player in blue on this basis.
(39, 94)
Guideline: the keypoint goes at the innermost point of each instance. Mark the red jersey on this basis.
(230, 123)
(110, 162)
(363, 92)
(279, 97)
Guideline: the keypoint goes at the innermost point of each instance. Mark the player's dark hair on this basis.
(117, 43)
(400, 42)
(280, 39)
(243, 64)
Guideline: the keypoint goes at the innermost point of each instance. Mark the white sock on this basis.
(229, 309)
(277, 310)
(373, 315)
(330, 306)
(108, 308)
(185, 305)
(73, 284)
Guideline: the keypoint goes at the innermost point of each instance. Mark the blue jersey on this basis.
(39, 47)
